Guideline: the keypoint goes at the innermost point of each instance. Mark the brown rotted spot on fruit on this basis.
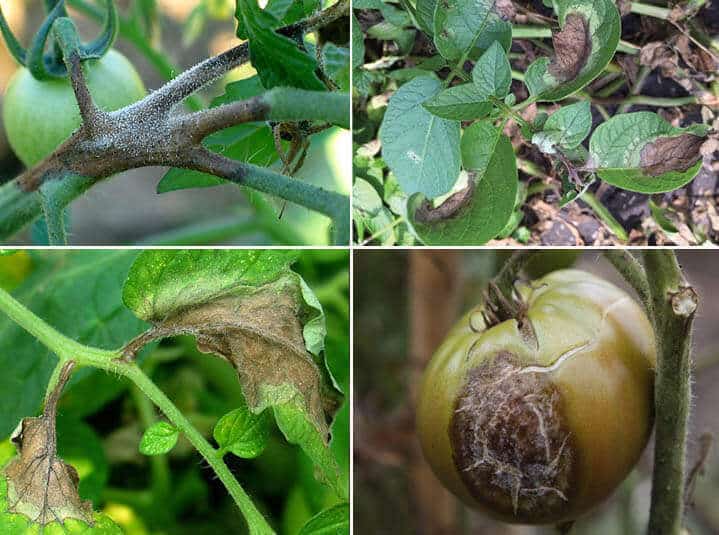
(572, 47)
(450, 208)
(510, 442)
(666, 154)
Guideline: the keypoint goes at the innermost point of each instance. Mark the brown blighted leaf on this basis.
(260, 334)
(451, 207)
(666, 154)
(505, 9)
(572, 47)
(40, 485)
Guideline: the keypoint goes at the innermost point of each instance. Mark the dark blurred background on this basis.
(404, 304)
(126, 208)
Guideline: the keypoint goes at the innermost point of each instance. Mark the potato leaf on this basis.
(643, 152)
(584, 46)
(479, 212)
(158, 439)
(565, 129)
(468, 27)
(459, 103)
(420, 148)
(492, 74)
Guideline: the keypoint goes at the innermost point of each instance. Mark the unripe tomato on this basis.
(537, 421)
(40, 115)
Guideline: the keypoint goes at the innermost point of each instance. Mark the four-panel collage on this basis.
(333, 267)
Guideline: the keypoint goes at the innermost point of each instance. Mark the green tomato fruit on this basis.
(39, 115)
(539, 420)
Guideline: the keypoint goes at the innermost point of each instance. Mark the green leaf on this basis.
(643, 152)
(298, 429)
(357, 43)
(336, 61)
(590, 36)
(458, 103)
(243, 433)
(277, 59)
(468, 27)
(566, 128)
(492, 74)
(332, 521)
(422, 150)
(477, 214)
(78, 293)
(158, 439)
(425, 15)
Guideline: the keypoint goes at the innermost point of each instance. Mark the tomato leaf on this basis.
(643, 152)
(481, 211)
(249, 308)
(468, 27)
(492, 74)
(421, 149)
(332, 521)
(336, 61)
(277, 59)
(582, 49)
(243, 433)
(565, 129)
(158, 439)
(458, 103)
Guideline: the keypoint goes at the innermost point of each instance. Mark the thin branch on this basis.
(633, 272)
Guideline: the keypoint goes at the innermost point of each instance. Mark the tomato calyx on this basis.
(46, 66)
(499, 308)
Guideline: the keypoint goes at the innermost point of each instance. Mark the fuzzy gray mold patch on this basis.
(510, 442)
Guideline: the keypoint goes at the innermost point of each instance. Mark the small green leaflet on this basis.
(277, 59)
(332, 521)
(458, 103)
(336, 60)
(243, 433)
(468, 27)
(619, 148)
(584, 54)
(422, 150)
(158, 439)
(565, 129)
(485, 210)
(492, 74)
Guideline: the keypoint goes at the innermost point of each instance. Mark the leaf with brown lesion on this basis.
(572, 47)
(666, 154)
(40, 485)
(260, 332)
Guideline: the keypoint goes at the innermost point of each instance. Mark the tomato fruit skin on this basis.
(40, 115)
(592, 367)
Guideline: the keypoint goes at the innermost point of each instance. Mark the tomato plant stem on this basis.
(674, 304)
(255, 521)
(67, 349)
(633, 272)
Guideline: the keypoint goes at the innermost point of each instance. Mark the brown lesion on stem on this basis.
(148, 133)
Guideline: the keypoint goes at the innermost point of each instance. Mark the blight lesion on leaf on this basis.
(572, 48)
(666, 154)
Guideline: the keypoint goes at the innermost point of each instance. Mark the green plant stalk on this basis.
(649, 10)
(54, 213)
(633, 272)
(67, 349)
(602, 213)
(674, 303)
(290, 104)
